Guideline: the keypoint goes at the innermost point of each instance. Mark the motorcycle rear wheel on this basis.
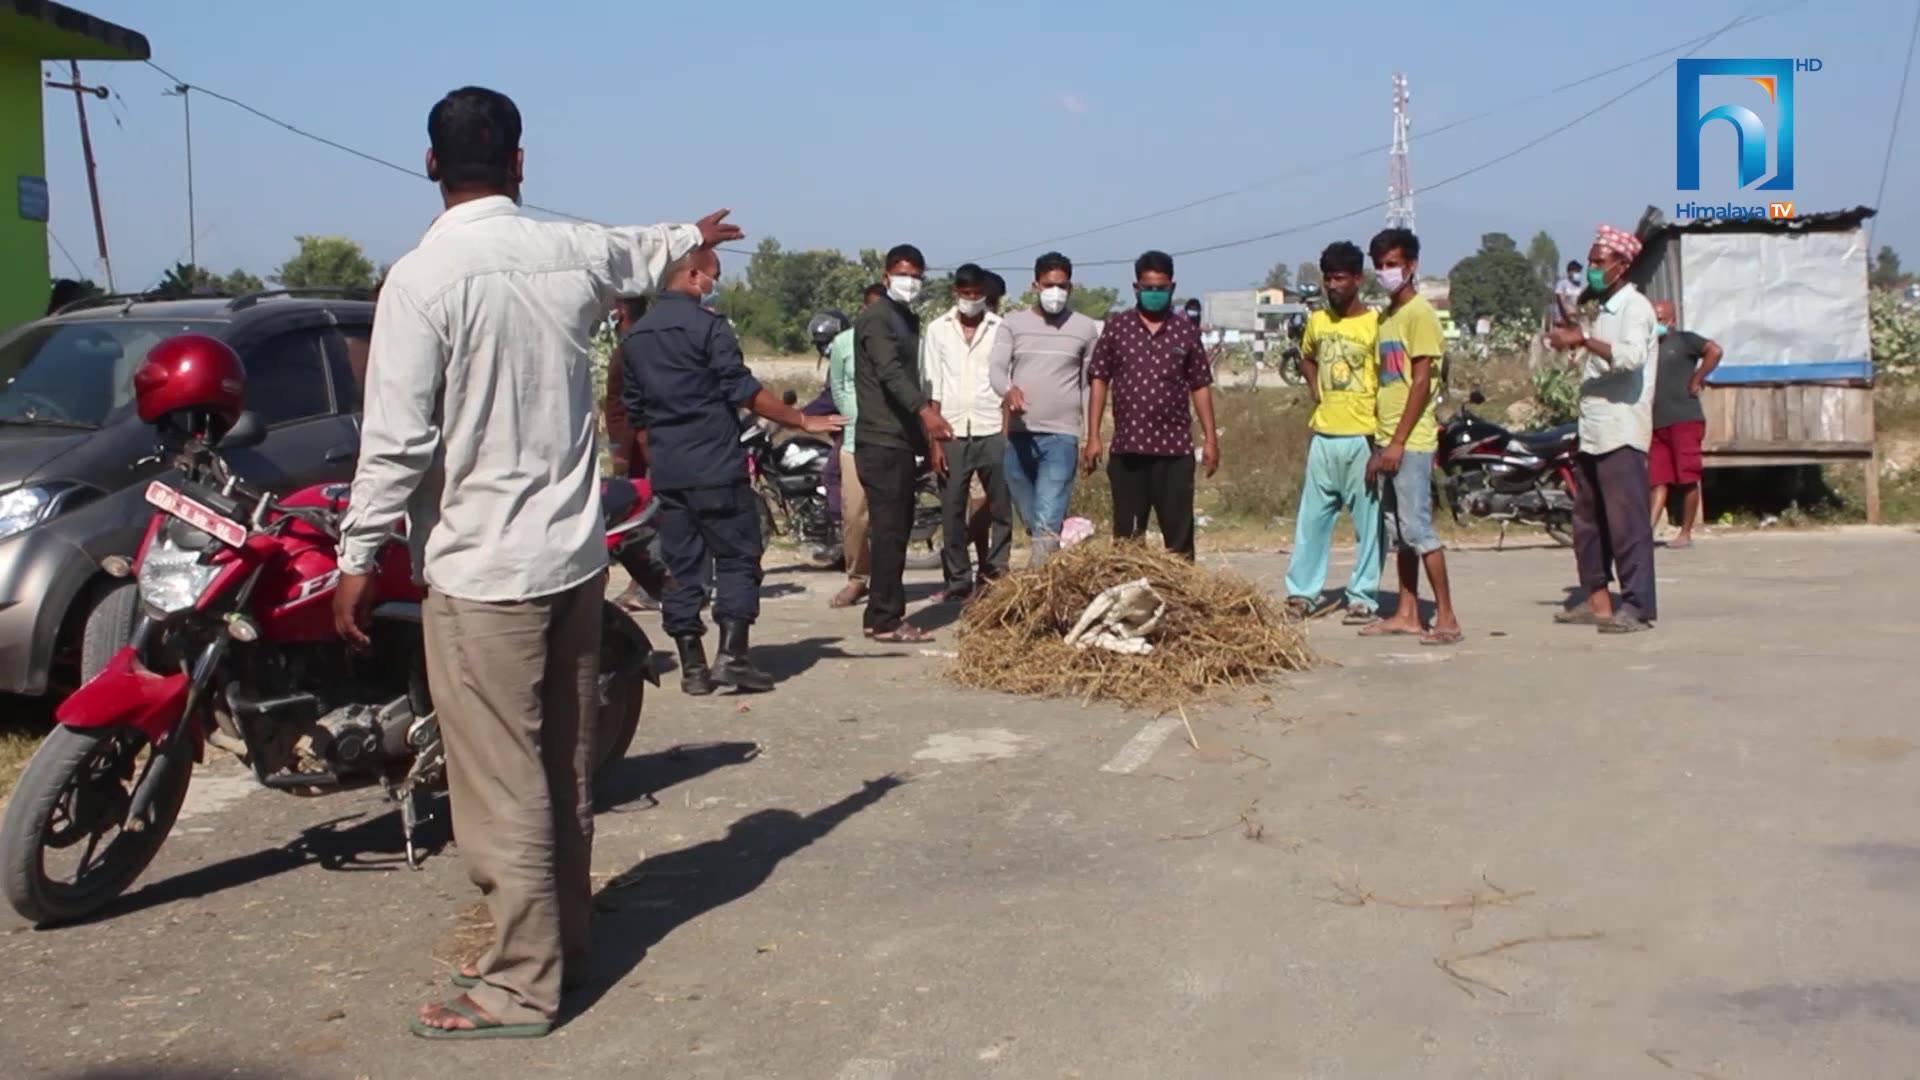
(1560, 528)
(75, 791)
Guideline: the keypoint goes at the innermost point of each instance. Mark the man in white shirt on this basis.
(480, 427)
(1569, 288)
(1611, 530)
(961, 348)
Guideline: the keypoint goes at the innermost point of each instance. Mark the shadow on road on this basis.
(640, 779)
(359, 842)
(673, 889)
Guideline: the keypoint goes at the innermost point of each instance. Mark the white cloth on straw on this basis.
(1120, 619)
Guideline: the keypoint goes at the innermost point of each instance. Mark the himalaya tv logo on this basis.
(1758, 145)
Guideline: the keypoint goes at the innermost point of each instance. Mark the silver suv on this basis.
(74, 459)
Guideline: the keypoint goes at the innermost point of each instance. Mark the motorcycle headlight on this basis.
(172, 577)
(24, 507)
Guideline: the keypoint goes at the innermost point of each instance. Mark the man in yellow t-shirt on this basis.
(1337, 356)
(1411, 348)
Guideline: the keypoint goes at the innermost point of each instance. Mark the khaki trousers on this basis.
(516, 689)
(853, 520)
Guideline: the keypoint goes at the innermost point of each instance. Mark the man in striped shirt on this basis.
(1043, 384)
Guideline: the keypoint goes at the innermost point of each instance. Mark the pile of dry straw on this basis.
(1219, 631)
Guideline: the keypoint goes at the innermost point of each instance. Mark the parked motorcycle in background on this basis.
(235, 646)
(1500, 475)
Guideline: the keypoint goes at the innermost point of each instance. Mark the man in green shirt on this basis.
(853, 498)
(1411, 347)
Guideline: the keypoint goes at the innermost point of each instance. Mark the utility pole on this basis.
(86, 149)
(1399, 176)
(193, 234)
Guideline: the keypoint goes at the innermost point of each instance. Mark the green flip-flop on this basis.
(482, 1027)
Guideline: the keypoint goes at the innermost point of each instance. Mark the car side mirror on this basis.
(1476, 398)
(344, 454)
(247, 432)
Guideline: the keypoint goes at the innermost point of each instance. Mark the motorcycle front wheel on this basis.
(623, 693)
(67, 845)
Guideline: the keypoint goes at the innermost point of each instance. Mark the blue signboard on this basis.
(33, 198)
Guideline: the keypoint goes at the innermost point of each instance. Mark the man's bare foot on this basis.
(439, 1014)
(1681, 542)
(1390, 627)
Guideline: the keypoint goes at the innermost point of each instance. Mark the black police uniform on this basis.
(686, 382)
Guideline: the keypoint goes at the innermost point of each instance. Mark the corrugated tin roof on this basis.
(50, 31)
(1653, 223)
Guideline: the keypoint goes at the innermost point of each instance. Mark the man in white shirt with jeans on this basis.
(480, 427)
(1611, 529)
(960, 350)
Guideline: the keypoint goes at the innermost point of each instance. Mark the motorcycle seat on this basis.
(1550, 441)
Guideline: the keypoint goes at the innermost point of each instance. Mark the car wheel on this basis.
(109, 627)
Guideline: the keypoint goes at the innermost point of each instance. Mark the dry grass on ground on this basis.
(1220, 632)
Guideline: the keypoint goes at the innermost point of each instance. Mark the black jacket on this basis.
(886, 377)
(685, 382)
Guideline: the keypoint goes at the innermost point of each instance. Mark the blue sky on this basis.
(965, 128)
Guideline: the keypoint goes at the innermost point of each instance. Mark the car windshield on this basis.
(76, 374)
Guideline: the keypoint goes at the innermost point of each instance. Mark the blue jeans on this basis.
(1336, 480)
(1040, 468)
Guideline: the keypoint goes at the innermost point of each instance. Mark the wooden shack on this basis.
(1787, 301)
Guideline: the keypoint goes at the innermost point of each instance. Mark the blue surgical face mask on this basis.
(1661, 328)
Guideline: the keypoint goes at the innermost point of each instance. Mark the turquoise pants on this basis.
(1336, 481)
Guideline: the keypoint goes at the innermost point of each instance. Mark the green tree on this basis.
(1544, 254)
(1886, 269)
(326, 262)
(240, 283)
(1498, 282)
(186, 279)
(1279, 277)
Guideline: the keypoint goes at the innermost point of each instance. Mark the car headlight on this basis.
(171, 577)
(24, 507)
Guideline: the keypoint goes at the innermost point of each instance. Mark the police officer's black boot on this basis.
(695, 677)
(731, 667)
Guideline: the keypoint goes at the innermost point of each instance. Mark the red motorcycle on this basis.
(235, 646)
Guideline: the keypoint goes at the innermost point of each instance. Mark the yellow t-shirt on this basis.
(1412, 331)
(1348, 381)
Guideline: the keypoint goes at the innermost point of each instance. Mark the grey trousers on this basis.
(516, 688)
(985, 455)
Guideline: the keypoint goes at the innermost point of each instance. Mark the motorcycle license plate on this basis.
(224, 529)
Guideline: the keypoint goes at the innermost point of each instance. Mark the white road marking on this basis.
(1141, 748)
(967, 747)
(211, 792)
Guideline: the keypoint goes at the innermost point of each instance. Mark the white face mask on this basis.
(1392, 278)
(1053, 300)
(970, 308)
(903, 288)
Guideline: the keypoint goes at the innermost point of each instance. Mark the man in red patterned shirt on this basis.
(1153, 364)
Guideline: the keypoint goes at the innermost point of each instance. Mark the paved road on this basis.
(1545, 853)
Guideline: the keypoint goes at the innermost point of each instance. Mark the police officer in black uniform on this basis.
(685, 381)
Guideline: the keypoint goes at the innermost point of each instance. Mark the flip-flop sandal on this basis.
(1362, 617)
(482, 1028)
(903, 635)
(1581, 616)
(1381, 629)
(1442, 637)
(1299, 607)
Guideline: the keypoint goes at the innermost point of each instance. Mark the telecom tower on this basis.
(1399, 178)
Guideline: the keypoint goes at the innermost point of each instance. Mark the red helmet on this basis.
(191, 372)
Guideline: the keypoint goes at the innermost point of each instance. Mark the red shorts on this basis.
(1674, 457)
